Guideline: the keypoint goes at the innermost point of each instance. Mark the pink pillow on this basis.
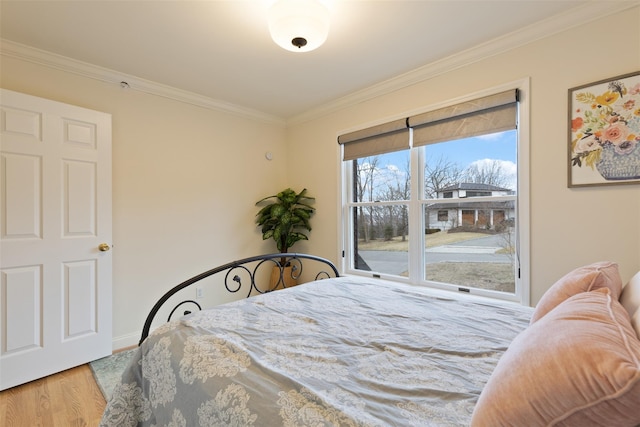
(630, 299)
(577, 366)
(584, 279)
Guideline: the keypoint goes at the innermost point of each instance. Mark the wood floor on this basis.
(67, 399)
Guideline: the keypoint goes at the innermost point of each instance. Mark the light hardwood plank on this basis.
(67, 399)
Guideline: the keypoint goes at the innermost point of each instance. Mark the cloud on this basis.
(507, 168)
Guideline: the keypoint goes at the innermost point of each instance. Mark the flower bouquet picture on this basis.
(604, 132)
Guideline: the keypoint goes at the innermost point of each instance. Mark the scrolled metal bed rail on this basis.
(248, 268)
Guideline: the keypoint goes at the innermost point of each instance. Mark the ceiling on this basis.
(222, 50)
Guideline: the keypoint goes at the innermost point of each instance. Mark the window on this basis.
(440, 205)
(478, 193)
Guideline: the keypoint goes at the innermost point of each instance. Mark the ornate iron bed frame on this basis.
(246, 267)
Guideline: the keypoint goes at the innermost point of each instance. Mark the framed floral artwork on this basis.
(604, 132)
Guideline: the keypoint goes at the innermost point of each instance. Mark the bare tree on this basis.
(404, 188)
(365, 170)
(440, 173)
(397, 187)
(489, 171)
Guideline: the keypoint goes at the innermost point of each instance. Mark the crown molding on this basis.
(51, 60)
(591, 11)
(578, 16)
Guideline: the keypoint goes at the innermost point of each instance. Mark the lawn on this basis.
(485, 275)
(436, 239)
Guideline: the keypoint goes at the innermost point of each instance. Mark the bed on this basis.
(335, 351)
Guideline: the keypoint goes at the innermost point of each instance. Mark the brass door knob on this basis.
(104, 247)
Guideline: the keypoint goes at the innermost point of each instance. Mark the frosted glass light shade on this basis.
(299, 25)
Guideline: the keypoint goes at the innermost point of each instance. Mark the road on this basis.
(482, 249)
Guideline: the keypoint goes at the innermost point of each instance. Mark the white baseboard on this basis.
(125, 341)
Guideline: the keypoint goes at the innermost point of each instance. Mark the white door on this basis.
(55, 212)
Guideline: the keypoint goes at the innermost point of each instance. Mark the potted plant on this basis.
(284, 218)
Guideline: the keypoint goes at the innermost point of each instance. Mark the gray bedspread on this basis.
(338, 352)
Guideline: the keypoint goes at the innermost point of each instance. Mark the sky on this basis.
(498, 146)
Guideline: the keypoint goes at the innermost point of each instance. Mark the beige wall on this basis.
(185, 180)
(569, 227)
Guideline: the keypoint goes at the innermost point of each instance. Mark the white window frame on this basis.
(416, 233)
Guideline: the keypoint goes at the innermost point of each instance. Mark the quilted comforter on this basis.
(337, 352)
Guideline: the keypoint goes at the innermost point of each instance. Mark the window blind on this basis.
(380, 139)
(489, 114)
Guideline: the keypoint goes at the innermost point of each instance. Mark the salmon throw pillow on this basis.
(579, 365)
(584, 279)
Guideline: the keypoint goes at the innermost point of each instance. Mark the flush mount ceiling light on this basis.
(299, 25)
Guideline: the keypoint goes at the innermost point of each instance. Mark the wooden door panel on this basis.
(22, 303)
(80, 310)
(79, 198)
(55, 301)
(22, 193)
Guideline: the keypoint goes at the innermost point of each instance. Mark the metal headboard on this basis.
(247, 268)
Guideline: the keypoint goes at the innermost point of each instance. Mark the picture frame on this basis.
(604, 132)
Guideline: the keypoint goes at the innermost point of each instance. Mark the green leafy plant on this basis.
(285, 217)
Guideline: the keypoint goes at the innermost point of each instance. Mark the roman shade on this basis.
(489, 114)
(379, 139)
